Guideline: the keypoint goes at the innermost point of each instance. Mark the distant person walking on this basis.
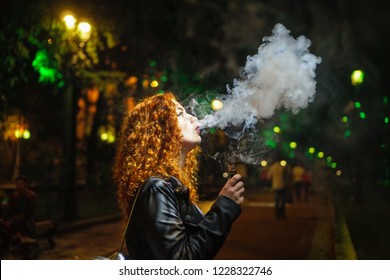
(297, 173)
(306, 184)
(22, 208)
(276, 175)
(288, 183)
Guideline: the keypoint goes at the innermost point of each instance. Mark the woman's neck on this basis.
(182, 160)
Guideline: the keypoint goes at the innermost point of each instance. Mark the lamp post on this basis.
(81, 34)
(356, 162)
(20, 133)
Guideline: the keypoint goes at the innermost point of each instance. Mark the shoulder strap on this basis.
(128, 221)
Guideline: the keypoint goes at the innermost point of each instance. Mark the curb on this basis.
(344, 248)
(343, 244)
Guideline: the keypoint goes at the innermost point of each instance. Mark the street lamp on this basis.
(216, 105)
(357, 77)
(70, 21)
(84, 30)
(20, 133)
(77, 35)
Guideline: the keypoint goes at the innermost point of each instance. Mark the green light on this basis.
(320, 154)
(164, 78)
(312, 150)
(362, 115)
(293, 145)
(26, 134)
(329, 159)
(357, 77)
(386, 120)
(284, 117)
(345, 119)
(277, 129)
(291, 154)
(153, 64)
(347, 133)
(212, 130)
(385, 100)
(267, 133)
(358, 105)
(270, 143)
(334, 165)
(47, 69)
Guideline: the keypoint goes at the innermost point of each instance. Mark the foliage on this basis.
(48, 70)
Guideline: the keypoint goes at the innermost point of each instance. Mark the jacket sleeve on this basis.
(172, 237)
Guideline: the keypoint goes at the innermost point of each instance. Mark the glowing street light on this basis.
(26, 134)
(277, 129)
(357, 77)
(70, 21)
(19, 133)
(154, 84)
(216, 105)
(104, 136)
(293, 145)
(263, 163)
(79, 36)
(22, 133)
(84, 29)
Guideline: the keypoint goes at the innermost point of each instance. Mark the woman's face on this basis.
(189, 128)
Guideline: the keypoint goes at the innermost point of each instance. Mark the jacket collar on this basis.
(177, 185)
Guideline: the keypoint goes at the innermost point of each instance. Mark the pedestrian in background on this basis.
(276, 175)
(22, 208)
(288, 183)
(263, 177)
(157, 152)
(306, 184)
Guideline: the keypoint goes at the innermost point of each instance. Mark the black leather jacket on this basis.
(166, 225)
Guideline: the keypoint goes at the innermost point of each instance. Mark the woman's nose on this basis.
(194, 119)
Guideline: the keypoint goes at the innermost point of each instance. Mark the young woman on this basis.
(157, 152)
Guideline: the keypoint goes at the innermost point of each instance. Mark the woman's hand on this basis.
(233, 189)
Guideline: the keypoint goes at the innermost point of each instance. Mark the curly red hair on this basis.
(149, 144)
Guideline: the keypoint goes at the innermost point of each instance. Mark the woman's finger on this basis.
(236, 178)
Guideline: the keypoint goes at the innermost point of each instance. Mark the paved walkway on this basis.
(306, 233)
